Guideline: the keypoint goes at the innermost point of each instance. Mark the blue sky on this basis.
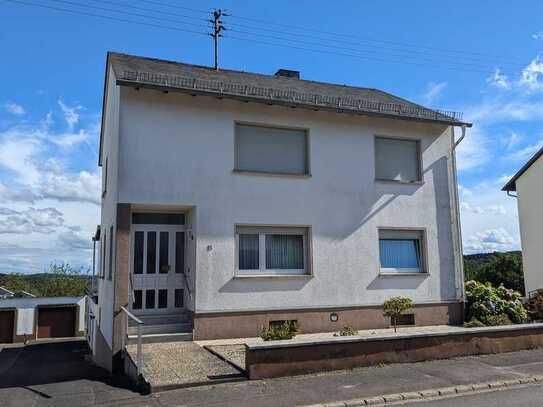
(481, 58)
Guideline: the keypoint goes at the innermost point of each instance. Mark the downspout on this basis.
(457, 244)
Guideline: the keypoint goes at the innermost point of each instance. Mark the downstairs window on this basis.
(271, 250)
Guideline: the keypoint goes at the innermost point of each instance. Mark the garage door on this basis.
(6, 326)
(56, 322)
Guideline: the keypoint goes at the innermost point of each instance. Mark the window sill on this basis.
(396, 182)
(271, 174)
(399, 273)
(257, 276)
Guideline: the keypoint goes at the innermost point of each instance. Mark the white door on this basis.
(157, 269)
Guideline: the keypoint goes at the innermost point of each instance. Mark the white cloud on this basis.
(474, 150)
(489, 210)
(14, 108)
(49, 191)
(525, 153)
(532, 76)
(499, 80)
(71, 115)
(433, 90)
(75, 239)
(80, 187)
(42, 220)
(514, 139)
(490, 240)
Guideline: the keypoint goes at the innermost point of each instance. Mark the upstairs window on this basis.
(271, 250)
(271, 150)
(397, 160)
(401, 251)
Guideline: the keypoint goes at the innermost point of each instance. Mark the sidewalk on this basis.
(363, 383)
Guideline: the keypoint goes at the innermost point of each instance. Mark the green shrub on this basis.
(474, 323)
(496, 320)
(485, 303)
(396, 306)
(285, 330)
(347, 331)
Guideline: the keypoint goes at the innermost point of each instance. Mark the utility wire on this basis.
(335, 47)
(123, 20)
(467, 60)
(353, 55)
(175, 6)
(361, 43)
(498, 58)
(170, 20)
(152, 10)
(379, 41)
(314, 50)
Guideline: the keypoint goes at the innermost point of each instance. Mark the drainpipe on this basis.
(456, 226)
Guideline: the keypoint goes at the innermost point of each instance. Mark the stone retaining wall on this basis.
(284, 358)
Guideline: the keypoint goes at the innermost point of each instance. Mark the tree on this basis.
(496, 268)
(396, 306)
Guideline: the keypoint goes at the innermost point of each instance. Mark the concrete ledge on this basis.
(284, 358)
(433, 394)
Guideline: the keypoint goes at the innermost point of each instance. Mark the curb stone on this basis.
(432, 393)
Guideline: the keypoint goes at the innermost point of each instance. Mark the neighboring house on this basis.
(5, 293)
(23, 318)
(528, 185)
(231, 200)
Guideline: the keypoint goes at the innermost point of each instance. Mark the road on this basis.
(526, 396)
(61, 375)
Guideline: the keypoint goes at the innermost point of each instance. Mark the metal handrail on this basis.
(289, 96)
(139, 352)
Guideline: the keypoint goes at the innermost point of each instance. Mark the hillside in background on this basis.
(496, 268)
(61, 280)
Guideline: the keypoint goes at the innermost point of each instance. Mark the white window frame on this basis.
(403, 234)
(262, 231)
(419, 179)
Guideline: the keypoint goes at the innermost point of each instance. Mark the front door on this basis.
(157, 269)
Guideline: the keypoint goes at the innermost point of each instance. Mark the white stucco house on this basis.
(232, 200)
(527, 184)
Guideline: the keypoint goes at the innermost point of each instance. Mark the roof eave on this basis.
(512, 183)
(196, 92)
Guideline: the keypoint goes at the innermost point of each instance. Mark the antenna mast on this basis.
(216, 34)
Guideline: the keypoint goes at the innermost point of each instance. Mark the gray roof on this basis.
(270, 89)
(512, 183)
(135, 70)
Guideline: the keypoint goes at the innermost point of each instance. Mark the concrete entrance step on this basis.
(160, 338)
(180, 318)
(171, 365)
(161, 329)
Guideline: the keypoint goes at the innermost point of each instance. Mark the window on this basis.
(110, 263)
(397, 160)
(158, 218)
(104, 180)
(272, 250)
(163, 298)
(136, 304)
(149, 299)
(401, 251)
(103, 268)
(179, 297)
(271, 150)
